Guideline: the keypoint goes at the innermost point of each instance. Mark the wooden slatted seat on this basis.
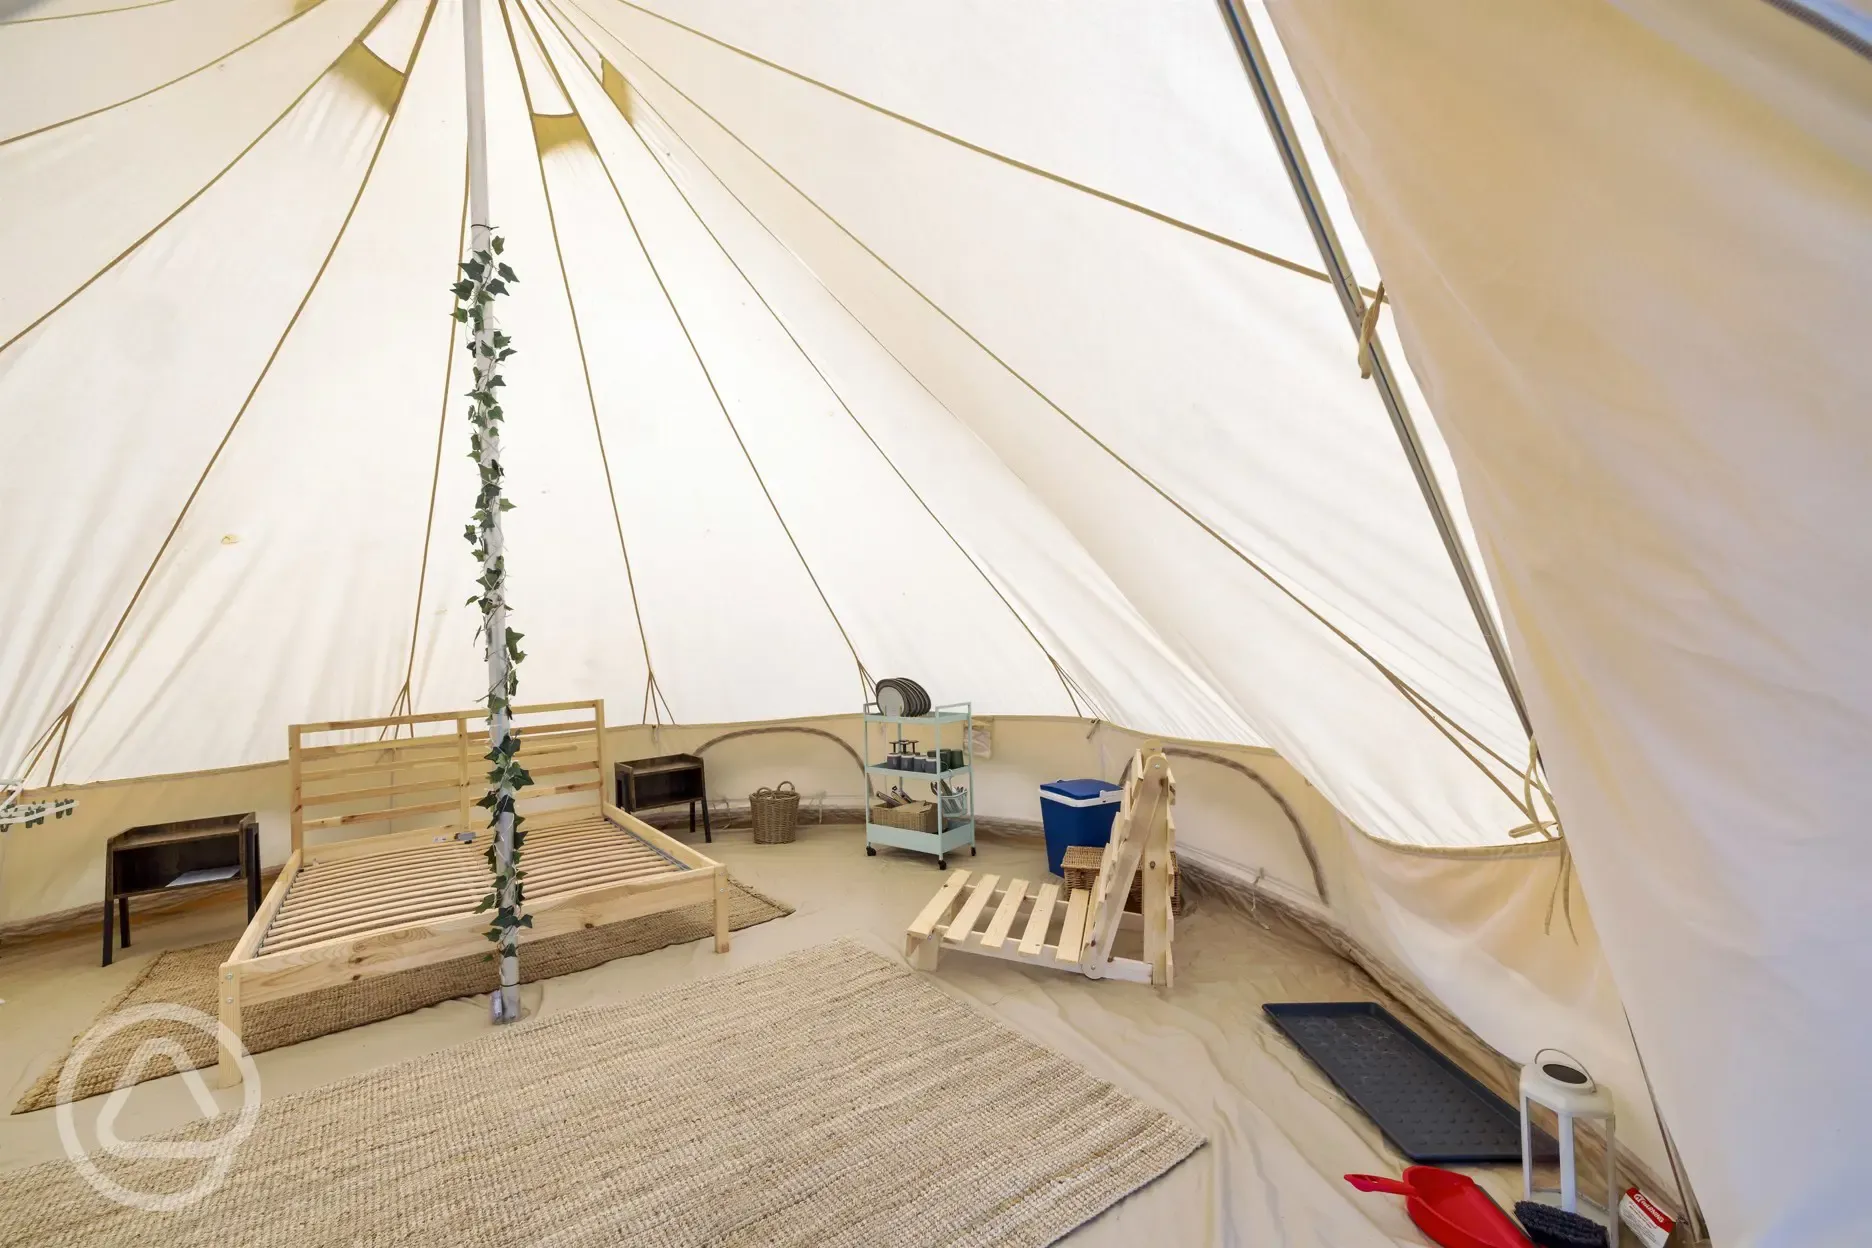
(1077, 933)
(405, 894)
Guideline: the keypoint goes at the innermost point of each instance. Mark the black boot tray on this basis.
(1432, 1110)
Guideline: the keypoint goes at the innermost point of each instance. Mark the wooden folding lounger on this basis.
(405, 896)
(1018, 926)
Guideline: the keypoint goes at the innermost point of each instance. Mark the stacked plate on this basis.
(897, 696)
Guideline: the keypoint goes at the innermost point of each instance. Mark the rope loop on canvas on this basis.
(1533, 784)
(1368, 325)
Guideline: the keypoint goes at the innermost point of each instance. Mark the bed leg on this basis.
(228, 1068)
(721, 910)
(922, 952)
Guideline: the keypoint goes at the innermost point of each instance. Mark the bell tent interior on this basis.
(1415, 454)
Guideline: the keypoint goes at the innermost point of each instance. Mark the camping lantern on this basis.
(1564, 1087)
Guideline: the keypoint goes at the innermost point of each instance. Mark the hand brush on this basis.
(1556, 1228)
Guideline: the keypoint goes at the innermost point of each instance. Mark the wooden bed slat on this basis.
(269, 909)
(564, 860)
(460, 878)
(544, 842)
(379, 816)
(442, 768)
(926, 922)
(1003, 920)
(359, 854)
(1072, 931)
(560, 769)
(559, 790)
(443, 717)
(964, 922)
(550, 845)
(438, 758)
(435, 907)
(1033, 940)
(440, 740)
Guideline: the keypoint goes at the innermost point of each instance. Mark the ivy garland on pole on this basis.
(485, 276)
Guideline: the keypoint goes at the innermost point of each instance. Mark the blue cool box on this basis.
(1076, 812)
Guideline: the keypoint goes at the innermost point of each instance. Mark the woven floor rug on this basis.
(187, 977)
(829, 1098)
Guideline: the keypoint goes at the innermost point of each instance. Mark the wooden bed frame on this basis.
(1018, 924)
(404, 895)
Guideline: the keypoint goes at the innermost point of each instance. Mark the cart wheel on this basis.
(942, 864)
(971, 851)
(871, 851)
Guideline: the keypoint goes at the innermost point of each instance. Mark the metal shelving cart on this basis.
(955, 809)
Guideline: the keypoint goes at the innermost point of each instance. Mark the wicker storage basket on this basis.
(913, 817)
(1081, 864)
(776, 814)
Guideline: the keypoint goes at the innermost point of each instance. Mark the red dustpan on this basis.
(1448, 1207)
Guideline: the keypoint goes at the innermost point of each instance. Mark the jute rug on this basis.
(829, 1098)
(187, 977)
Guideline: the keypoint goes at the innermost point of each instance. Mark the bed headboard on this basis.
(412, 774)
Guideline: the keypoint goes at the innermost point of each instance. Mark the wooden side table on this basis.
(668, 780)
(168, 858)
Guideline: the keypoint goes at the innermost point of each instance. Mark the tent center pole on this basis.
(504, 1005)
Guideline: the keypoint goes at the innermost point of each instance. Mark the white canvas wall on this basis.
(1628, 245)
(1467, 927)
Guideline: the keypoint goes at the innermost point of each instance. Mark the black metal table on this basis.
(667, 780)
(167, 858)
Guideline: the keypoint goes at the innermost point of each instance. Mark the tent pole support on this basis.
(1686, 1195)
(504, 1005)
(1352, 300)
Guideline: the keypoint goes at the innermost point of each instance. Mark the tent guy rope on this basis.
(1444, 722)
(1073, 694)
(60, 729)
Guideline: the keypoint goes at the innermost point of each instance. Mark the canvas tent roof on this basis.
(1031, 399)
(995, 350)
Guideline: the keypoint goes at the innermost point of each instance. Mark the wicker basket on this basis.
(776, 814)
(1080, 867)
(913, 817)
